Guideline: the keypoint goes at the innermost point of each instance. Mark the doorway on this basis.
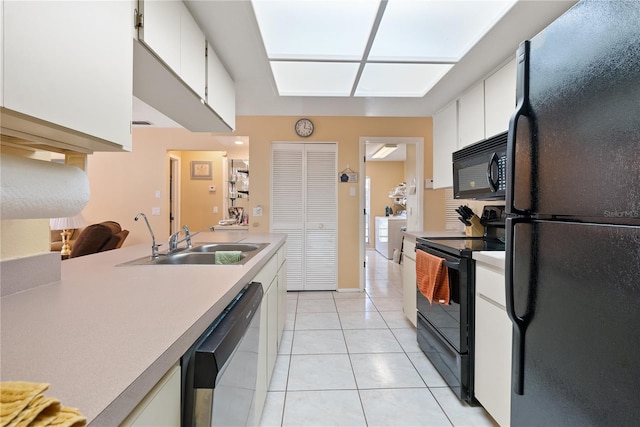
(174, 193)
(414, 176)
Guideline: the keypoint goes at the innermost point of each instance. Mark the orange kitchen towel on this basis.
(432, 277)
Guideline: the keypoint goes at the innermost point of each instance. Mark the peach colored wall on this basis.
(384, 177)
(124, 184)
(346, 131)
(197, 202)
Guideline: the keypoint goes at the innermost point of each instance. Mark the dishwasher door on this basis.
(222, 366)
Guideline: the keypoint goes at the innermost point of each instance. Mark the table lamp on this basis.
(66, 224)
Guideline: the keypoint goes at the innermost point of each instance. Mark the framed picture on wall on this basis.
(201, 170)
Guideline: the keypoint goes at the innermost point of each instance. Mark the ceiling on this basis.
(232, 29)
(369, 48)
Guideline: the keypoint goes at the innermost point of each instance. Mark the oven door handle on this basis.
(449, 261)
(452, 265)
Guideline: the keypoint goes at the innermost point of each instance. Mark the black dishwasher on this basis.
(221, 368)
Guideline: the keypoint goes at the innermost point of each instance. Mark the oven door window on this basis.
(446, 318)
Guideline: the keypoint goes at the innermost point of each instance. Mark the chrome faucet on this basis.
(174, 242)
(154, 247)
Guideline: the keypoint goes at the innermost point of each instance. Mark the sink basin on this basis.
(203, 254)
(213, 247)
(191, 258)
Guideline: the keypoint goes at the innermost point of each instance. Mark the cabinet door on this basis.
(493, 345)
(161, 30)
(71, 64)
(1, 55)
(445, 142)
(500, 99)
(409, 299)
(161, 407)
(282, 299)
(193, 61)
(221, 92)
(471, 116)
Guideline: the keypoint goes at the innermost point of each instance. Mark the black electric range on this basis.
(445, 333)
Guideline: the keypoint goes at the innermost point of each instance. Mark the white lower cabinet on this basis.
(161, 407)
(270, 320)
(409, 299)
(493, 344)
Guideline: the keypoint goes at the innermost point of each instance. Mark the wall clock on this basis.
(304, 127)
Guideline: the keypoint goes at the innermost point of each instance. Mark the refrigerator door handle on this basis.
(523, 109)
(519, 322)
(493, 183)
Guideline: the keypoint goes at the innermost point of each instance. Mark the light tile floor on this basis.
(351, 359)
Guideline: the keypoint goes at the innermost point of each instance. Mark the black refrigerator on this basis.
(573, 226)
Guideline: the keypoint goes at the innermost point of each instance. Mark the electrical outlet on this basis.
(155, 211)
(257, 211)
(215, 209)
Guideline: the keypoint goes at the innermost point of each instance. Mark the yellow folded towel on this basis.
(38, 405)
(16, 396)
(228, 257)
(22, 404)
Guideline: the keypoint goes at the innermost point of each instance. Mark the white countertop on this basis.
(435, 234)
(104, 334)
(493, 258)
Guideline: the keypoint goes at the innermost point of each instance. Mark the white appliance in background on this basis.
(389, 234)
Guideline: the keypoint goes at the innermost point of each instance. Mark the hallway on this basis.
(351, 359)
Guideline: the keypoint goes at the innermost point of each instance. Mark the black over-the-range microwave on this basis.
(480, 170)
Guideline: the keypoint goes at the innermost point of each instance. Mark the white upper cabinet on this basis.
(445, 142)
(500, 99)
(482, 112)
(193, 60)
(1, 54)
(173, 35)
(174, 75)
(471, 116)
(67, 74)
(221, 93)
(160, 31)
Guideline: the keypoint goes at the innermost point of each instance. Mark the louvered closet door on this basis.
(287, 206)
(304, 206)
(320, 213)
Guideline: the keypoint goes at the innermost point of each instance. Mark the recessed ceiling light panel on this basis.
(315, 29)
(314, 78)
(434, 30)
(400, 80)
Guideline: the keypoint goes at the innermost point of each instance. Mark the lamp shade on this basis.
(67, 223)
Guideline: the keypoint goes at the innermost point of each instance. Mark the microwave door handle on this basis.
(493, 183)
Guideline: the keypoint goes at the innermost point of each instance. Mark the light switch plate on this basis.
(257, 211)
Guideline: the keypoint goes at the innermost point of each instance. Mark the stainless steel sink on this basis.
(203, 254)
(213, 247)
